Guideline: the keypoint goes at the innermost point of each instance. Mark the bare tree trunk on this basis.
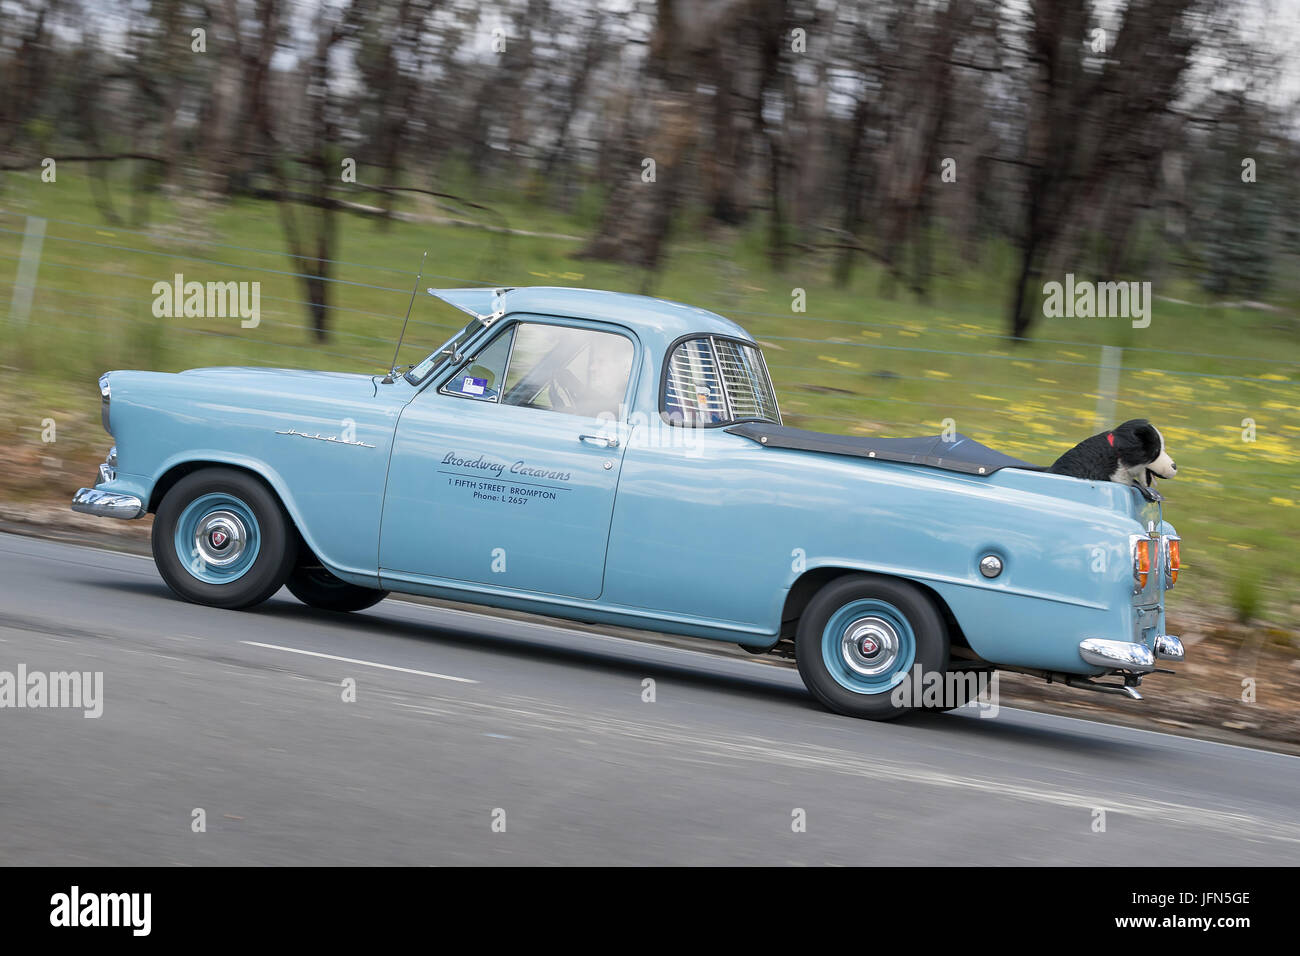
(1087, 126)
(851, 190)
(634, 225)
(313, 251)
(771, 31)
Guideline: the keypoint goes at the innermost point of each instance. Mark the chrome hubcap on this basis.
(869, 646)
(220, 538)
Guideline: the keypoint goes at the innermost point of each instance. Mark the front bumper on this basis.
(104, 503)
(107, 504)
(1128, 655)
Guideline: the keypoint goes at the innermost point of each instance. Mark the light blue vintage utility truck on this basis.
(620, 459)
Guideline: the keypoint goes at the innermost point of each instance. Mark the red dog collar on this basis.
(1110, 437)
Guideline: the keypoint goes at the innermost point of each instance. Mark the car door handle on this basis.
(601, 440)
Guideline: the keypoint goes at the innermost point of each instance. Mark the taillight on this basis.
(1141, 561)
(1173, 559)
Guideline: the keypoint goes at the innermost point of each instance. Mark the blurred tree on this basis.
(829, 123)
(909, 163)
(650, 170)
(1234, 221)
(25, 26)
(593, 49)
(309, 222)
(389, 58)
(257, 38)
(1092, 116)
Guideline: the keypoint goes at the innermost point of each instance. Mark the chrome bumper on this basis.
(1117, 655)
(1129, 656)
(1168, 648)
(107, 504)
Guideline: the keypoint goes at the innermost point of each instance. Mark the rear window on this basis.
(715, 381)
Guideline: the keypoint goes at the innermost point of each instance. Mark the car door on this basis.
(504, 470)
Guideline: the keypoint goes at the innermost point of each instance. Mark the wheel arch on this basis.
(255, 502)
(173, 473)
(176, 469)
(814, 579)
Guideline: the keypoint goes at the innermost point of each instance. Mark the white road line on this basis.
(353, 660)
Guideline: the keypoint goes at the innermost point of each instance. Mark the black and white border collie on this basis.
(1131, 454)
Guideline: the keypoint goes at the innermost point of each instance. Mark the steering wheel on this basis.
(565, 389)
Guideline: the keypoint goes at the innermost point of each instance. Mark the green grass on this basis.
(855, 362)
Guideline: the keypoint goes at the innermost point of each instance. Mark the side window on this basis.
(481, 378)
(573, 371)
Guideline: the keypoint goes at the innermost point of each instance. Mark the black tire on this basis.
(271, 552)
(910, 618)
(316, 587)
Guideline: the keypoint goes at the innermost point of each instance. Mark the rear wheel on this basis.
(220, 538)
(861, 637)
(316, 587)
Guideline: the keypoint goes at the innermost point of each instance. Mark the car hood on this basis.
(301, 382)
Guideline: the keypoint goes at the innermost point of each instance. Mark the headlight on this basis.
(105, 396)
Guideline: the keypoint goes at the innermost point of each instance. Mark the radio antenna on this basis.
(392, 371)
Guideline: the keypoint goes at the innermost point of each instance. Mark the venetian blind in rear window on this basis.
(713, 381)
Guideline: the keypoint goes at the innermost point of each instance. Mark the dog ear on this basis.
(1137, 442)
(1151, 441)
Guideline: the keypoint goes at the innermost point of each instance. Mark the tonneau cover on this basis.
(960, 453)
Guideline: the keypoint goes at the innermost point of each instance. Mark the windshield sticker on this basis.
(473, 386)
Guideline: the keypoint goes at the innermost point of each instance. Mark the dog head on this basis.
(1141, 451)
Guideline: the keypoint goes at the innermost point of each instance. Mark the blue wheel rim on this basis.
(217, 538)
(868, 646)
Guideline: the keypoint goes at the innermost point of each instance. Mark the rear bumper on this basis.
(1128, 655)
(1168, 648)
(107, 504)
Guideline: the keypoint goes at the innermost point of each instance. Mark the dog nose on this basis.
(1173, 465)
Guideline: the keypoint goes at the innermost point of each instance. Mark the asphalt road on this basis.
(459, 715)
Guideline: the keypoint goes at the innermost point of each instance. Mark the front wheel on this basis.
(861, 641)
(316, 587)
(220, 538)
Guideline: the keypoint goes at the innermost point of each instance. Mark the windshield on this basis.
(422, 371)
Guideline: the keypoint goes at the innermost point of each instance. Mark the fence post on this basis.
(20, 306)
(1112, 360)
